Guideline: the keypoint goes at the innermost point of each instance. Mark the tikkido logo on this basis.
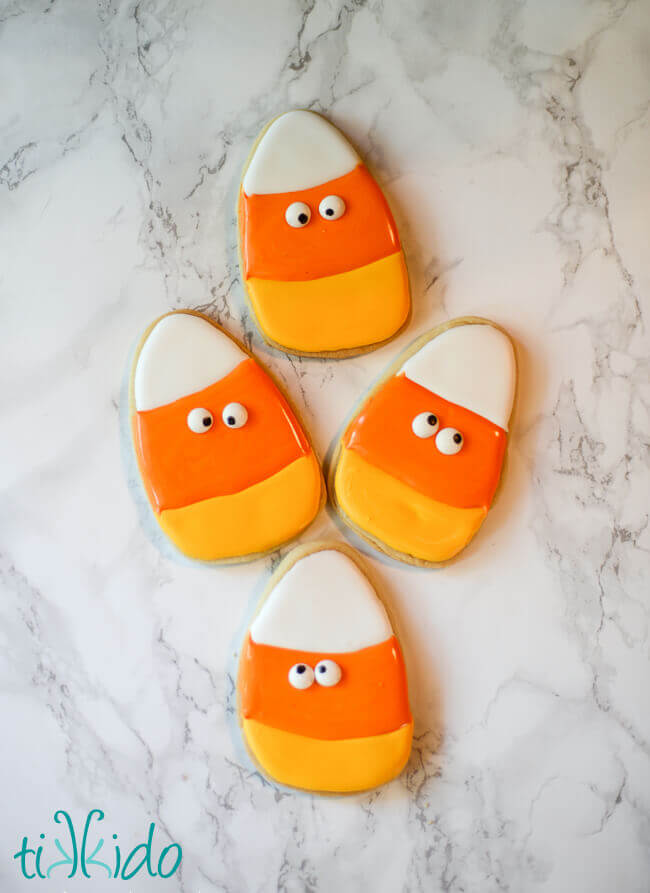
(81, 858)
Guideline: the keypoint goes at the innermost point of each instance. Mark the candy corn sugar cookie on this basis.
(417, 467)
(322, 692)
(320, 255)
(226, 466)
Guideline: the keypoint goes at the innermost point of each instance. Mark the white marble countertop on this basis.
(513, 141)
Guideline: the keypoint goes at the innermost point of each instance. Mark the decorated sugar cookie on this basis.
(320, 254)
(417, 467)
(226, 466)
(322, 690)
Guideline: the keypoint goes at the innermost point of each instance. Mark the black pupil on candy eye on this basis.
(302, 218)
(207, 421)
(457, 438)
(231, 420)
(329, 212)
(432, 420)
(322, 669)
(301, 668)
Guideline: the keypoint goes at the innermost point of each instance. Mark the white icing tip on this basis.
(299, 150)
(470, 365)
(325, 604)
(183, 354)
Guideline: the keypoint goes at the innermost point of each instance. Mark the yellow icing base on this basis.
(254, 520)
(340, 766)
(342, 312)
(399, 516)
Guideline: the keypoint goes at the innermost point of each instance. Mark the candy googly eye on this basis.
(425, 424)
(298, 214)
(234, 415)
(301, 676)
(327, 673)
(332, 207)
(449, 441)
(199, 420)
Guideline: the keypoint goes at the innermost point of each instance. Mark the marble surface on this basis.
(512, 139)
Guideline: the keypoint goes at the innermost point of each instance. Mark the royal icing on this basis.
(299, 150)
(470, 365)
(322, 685)
(181, 355)
(420, 462)
(218, 471)
(321, 256)
(331, 587)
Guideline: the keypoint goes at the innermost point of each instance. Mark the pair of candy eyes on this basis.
(448, 440)
(200, 420)
(326, 672)
(298, 214)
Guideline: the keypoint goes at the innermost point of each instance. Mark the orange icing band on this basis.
(370, 699)
(271, 249)
(180, 467)
(382, 434)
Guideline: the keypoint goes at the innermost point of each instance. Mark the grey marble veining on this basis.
(512, 139)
